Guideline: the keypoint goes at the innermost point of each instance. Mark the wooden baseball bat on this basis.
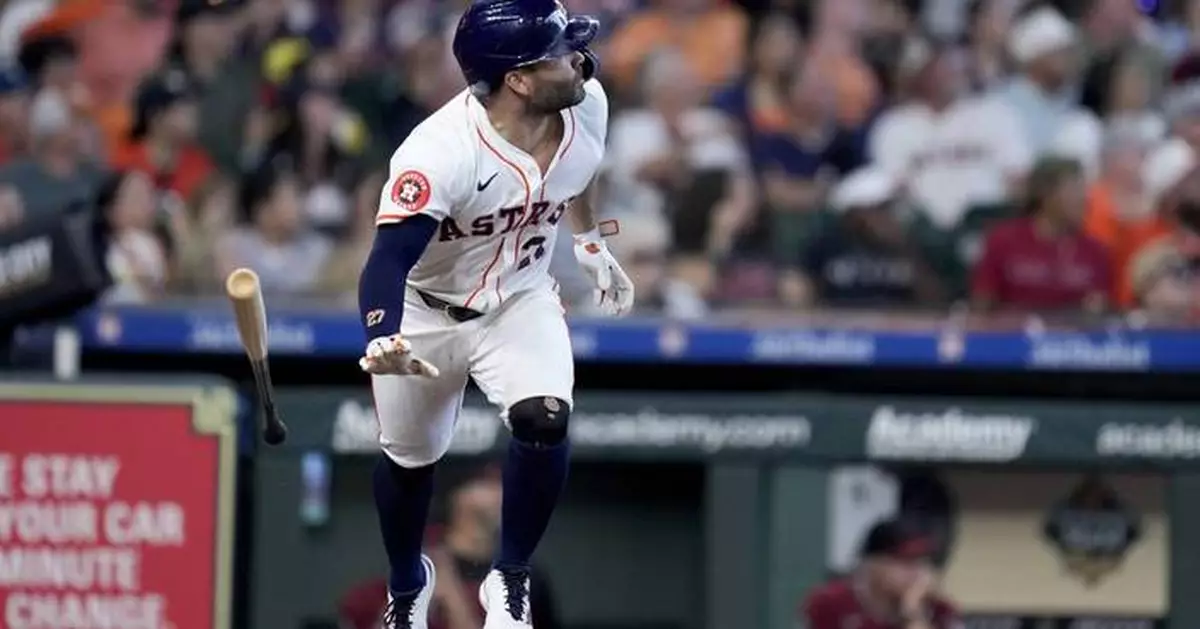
(245, 294)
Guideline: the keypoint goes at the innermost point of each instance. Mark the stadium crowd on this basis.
(1014, 155)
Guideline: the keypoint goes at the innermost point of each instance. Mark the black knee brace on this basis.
(539, 421)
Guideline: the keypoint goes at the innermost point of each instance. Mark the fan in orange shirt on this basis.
(711, 33)
(163, 140)
(1124, 209)
(118, 43)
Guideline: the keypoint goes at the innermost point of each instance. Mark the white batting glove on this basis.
(392, 355)
(614, 289)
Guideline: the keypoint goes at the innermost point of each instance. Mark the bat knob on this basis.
(275, 435)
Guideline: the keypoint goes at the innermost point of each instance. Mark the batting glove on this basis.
(614, 289)
(392, 355)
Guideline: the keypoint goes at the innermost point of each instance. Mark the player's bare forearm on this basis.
(583, 210)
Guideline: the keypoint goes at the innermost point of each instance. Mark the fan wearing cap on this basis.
(1044, 44)
(893, 587)
(875, 251)
(163, 139)
(1044, 261)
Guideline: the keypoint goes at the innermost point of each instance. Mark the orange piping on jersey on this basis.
(570, 139)
(487, 271)
(542, 196)
(524, 209)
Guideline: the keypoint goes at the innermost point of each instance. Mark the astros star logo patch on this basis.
(411, 191)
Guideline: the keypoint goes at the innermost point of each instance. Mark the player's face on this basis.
(555, 84)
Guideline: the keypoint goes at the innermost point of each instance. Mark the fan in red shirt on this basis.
(1044, 261)
(893, 587)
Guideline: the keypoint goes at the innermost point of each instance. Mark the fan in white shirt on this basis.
(952, 151)
(1116, 97)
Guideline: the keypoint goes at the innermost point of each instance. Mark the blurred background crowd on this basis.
(1012, 155)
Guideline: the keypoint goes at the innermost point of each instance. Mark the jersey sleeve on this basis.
(423, 178)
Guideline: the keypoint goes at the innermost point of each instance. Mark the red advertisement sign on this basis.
(112, 516)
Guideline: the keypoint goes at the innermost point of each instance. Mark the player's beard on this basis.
(553, 98)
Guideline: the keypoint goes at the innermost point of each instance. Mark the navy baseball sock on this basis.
(402, 497)
(533, 480)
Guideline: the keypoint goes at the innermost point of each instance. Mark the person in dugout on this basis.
(893, 586)
(462, 551)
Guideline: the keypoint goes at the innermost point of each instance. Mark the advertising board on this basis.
(115, 506)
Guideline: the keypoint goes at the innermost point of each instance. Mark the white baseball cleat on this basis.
(504, 595)
(411, 611)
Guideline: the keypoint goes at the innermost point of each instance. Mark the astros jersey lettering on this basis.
(498, 213)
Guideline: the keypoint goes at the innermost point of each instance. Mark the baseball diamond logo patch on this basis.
(411, 191)
(1093, 530)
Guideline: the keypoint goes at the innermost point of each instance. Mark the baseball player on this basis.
(456, 286)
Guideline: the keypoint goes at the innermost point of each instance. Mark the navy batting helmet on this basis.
(496, 36)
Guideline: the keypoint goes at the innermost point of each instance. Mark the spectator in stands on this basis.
(874, 252)
(14, 114)
(56, 174)
(988, 23)
(136, 256)
(711, 35)
(797, 164)
(835, 50)
(322, 139)
(1110, 25)
(1122, 210)
(1044, 261)
(395, 97)
(162, 142)
(226, 85)
(893, 587)
(278, 243)
(892, 25)
(209, 215)
(1172, 180)
(12, 210)
(120, 43)
(340, 278)
(1164, 283)
(758, 102)
(52, 62)
(644, 252)
(1116, 98)
(677, 159)
(1044, 44)
(1181, 100)
(953, 150)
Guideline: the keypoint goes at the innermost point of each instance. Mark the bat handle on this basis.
(274, 431)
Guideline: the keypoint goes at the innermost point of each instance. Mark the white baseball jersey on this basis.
(954, 158)
(498, 213)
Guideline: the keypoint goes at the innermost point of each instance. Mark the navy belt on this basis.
(458, 313)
